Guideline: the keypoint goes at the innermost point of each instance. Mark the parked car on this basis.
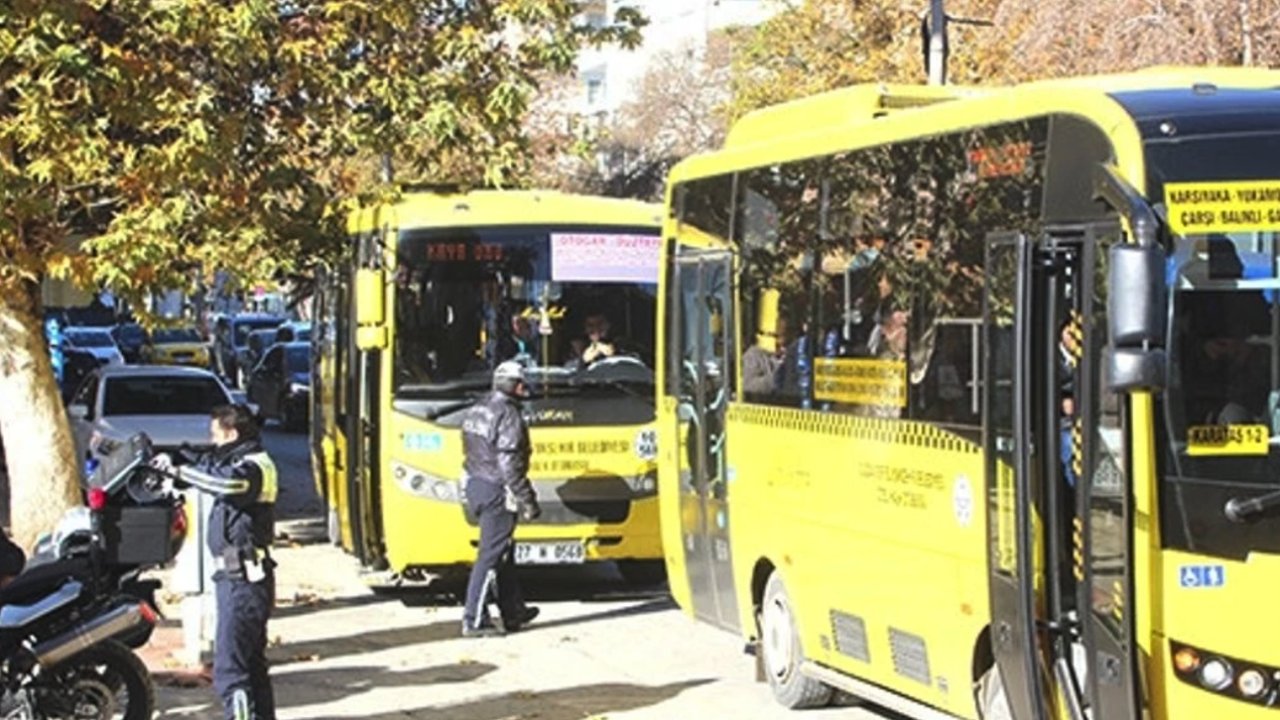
(76, 366)
(254, 348)
(231, 337)
(176, 346)
(170, 404)
(94, 340)
(280, 384)
(129, 337)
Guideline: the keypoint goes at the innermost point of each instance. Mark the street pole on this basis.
(937, 43)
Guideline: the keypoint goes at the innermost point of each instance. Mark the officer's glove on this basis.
(529, 510)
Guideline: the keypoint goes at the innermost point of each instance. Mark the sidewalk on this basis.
(311, 576)
(600, 649)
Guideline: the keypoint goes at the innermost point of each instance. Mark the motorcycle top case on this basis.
(139, 534)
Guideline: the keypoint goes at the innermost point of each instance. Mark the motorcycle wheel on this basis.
(105, 682)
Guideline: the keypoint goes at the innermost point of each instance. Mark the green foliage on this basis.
(142, 138)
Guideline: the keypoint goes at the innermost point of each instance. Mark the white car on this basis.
(95, 341)
(170, 404)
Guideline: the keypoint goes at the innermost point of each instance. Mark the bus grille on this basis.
(850, 633)
(910, 656)
(555, 512)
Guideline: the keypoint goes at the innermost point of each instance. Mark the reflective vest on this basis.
(270, 476)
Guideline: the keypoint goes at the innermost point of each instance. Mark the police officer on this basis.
(496, 445)
(243, 480)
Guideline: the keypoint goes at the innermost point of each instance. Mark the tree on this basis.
(1075, 38)
(818, 45)
(140, 139)
(677, 109)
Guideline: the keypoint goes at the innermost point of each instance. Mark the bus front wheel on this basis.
(993, 704)
(783, 654)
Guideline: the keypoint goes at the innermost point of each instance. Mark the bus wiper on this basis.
(1239, 509)
(626, 386)
(451, 408)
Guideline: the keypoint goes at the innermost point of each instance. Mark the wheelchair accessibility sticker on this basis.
(1202, 576)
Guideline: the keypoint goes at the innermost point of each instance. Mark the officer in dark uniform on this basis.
(496, 445)
(244, 481)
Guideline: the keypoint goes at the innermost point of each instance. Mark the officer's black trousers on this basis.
(495, 557)
(240, 648)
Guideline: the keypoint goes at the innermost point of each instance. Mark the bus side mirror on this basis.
(371, 333)
(370, 296)
(1136, 314)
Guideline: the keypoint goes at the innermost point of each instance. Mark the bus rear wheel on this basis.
(783, 654)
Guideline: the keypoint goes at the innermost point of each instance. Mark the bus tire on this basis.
(993, 703)
(783, 654)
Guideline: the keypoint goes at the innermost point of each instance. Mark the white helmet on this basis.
(507, 375)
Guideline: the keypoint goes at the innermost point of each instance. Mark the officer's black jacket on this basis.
(240, 518)
(495, 441)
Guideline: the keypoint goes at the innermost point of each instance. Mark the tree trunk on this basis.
(43, 472)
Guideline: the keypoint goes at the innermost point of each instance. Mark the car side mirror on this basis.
(77, 411)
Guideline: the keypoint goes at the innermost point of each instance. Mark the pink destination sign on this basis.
(603, 257)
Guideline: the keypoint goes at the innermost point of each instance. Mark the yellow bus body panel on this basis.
(426, 533)
(810, 499)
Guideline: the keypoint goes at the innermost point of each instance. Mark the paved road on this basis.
(292, 454)
(601, 649)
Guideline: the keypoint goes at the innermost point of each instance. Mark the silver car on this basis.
(170, 404)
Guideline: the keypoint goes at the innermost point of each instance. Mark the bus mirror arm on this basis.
(1111, 188)
(1137, 292)
(1240, 509)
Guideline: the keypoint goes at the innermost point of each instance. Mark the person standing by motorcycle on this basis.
(241, 476)
(495, 442)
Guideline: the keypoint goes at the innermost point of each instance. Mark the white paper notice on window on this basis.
(604, 257)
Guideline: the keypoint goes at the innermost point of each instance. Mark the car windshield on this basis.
(176, 335)
(90, 338)
(162, 395)
(244, 327)
(298, 359)
(130, 334)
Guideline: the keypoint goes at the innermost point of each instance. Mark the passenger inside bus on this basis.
(599, 343)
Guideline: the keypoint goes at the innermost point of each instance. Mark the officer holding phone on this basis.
(243, 479)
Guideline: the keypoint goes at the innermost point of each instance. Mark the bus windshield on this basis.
(1221, 406)
(575, 305)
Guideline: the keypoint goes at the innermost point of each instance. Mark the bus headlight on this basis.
(1216, 674)
(424, 484)
(1252, 683)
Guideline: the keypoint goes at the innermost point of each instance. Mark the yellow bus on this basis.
(441, 286)
(970, 398)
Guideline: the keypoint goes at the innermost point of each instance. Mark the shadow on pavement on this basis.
(652, 606)
(578, 583)
(576, 703)
(310, 687)
(321, 603)
(372, 641)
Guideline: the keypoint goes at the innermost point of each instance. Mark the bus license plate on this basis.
(550, 553)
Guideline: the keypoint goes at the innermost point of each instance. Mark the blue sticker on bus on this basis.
(424, 442)
(1202, 576)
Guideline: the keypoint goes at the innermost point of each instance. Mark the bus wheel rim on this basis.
(777, 639)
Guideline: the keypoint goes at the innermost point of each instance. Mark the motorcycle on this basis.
(67, 623)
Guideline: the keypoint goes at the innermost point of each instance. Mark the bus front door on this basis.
(1009, 451)
(703, 298)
